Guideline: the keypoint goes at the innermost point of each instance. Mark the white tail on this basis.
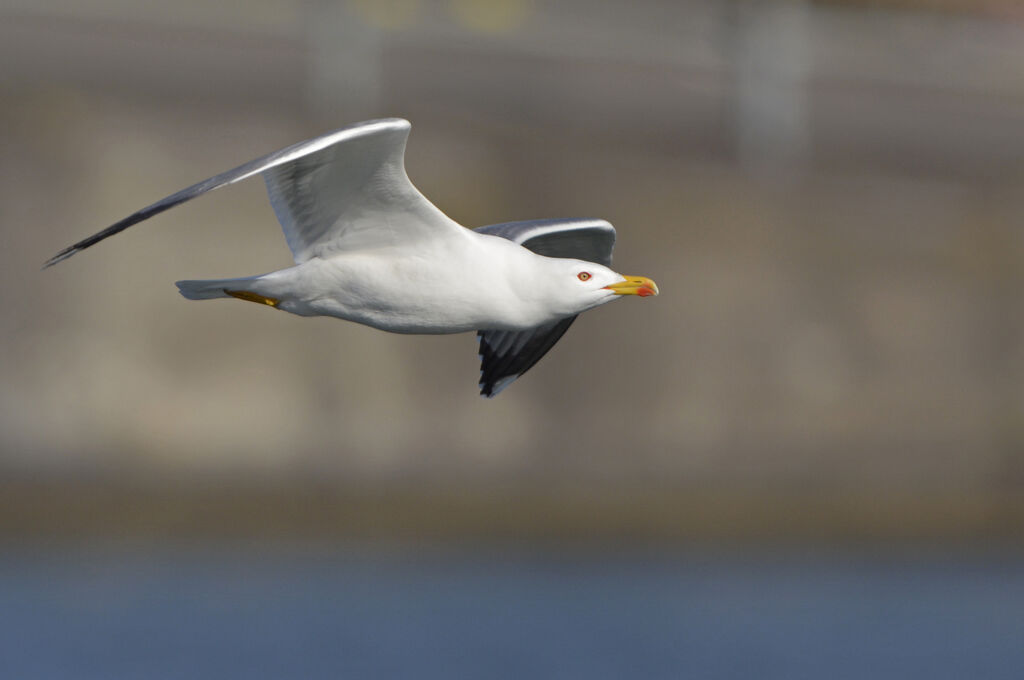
(212, 288)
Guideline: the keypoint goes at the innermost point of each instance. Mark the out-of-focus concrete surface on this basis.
(828, 194)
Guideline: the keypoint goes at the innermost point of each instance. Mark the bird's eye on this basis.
(583, 276)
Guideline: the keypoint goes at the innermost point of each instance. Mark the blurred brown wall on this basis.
(830, 197)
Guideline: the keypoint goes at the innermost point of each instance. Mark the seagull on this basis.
(370, 248)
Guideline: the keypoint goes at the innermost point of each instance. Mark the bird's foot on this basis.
(253, 297)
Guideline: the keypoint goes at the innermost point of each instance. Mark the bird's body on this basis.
(487, 282)
(370, 248)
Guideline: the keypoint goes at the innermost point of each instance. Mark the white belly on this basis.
(407, 292)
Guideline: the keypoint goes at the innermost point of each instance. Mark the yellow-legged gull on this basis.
(370, 248)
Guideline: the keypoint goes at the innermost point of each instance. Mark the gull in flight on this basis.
(370, 248)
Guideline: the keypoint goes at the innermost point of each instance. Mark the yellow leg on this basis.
(253, 297)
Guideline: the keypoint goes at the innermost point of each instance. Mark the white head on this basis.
(574, 286)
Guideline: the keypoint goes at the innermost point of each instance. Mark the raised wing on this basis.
(353, 194)
(506, 355)
(344, 189)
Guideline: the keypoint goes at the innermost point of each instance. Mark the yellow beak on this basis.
(634, 285)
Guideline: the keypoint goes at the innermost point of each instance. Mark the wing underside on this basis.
(506, 355)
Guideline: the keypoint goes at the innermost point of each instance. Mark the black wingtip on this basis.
(60, 257)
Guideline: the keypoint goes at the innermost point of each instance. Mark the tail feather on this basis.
(211, 288)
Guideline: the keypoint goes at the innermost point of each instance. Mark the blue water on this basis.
(209, 612)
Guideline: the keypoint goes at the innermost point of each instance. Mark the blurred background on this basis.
(805, 458)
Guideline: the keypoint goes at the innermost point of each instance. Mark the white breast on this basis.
(455, 285)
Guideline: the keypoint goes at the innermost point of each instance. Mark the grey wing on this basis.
(590, 240)
(357, 173)
(506, 355)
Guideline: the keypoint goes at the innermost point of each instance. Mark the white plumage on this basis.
(370, 248)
